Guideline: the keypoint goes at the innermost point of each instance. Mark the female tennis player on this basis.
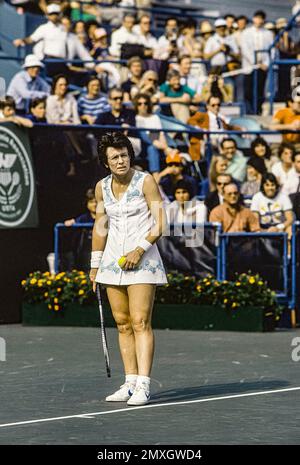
(129, 220)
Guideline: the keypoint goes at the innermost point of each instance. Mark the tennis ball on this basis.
(122, 261)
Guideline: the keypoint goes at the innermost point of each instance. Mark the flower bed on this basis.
(183, 303)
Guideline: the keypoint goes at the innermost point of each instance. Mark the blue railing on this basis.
(287, 295)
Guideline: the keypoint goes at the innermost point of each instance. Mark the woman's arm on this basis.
(100, 231)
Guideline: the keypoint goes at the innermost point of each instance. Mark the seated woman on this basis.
(215, 85)
(273, 208)
(218, 165)
(37, 110)
(148, 85)
(153, 143)
(255, 170)
(261, 149)
(185, 209)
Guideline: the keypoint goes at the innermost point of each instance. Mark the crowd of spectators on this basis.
(185, 72)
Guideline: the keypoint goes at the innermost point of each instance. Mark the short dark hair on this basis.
(172, 73)
(171, 18)
(56, 79)
(213, 96)
(117, 140)
(7, 101)
(286, 145)
(36, 101)
(182, 184)
(261, 141)
(233, 183)
(229, 15)
(261, 14)
(144, 96)
(229, 139)
(242, 17)
(271, 178)
(183, 57)
(115, 89)
(91, 79)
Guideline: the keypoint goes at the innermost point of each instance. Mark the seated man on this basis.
(232, 215)
(27, 84)
(215, 198)
(173, 173)
(288, 118)
(212, 120)
(177, 95)
(236, 160)
(124, 35)
(292, 185)
(8, 113)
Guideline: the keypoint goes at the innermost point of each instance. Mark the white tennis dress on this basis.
(129, 221)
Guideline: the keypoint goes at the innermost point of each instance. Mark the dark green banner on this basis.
(18, 205)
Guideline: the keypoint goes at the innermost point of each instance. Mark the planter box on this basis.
(171, 316)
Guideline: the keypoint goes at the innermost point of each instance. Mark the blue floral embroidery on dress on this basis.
(108, 196)
(112, 266)
(146, 266)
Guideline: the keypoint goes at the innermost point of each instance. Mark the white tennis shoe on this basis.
(140, 396)
(123, 394)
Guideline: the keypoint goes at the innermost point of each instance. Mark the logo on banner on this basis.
(16, 180)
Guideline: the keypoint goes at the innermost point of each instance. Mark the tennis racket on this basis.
(103, 333)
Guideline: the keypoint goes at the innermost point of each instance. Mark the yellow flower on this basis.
(46, 273)
(59, 289)
(81, 292)
(252, 280)
(207, 284)
(23, 282)
(56, 307)
(205, 279)
(40, 283)
(81, 272)
(46, 294)
(237, 283)
(50, 306)
(83, 281)
(225, 301)
(33, 281)
(260, 283)
(48, 282)
(225, 282)
(199, 288)
(55, 300)
(234, 305)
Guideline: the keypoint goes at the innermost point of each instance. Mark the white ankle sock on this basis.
(131, 379)
(143, 380)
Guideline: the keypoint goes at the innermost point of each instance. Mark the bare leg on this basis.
(119, 303)
(141, 299)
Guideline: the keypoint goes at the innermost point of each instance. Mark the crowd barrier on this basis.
(221, 254)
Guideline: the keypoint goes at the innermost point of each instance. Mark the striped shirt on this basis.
(92, 107)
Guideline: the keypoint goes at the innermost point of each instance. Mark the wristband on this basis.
(96, 258)
(144, 244)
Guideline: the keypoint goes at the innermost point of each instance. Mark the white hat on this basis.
(53, 8)
(31, 61)
(220, 23)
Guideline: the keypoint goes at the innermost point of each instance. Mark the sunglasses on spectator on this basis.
(117, 98)
(174, 164)
(215, 104)
(233, 193)
(142, 103)
(153, 80)
(222, 183)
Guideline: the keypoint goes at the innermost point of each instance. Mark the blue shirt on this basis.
(23, 88)
(92, 107)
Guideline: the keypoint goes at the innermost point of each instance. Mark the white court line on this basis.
(167, 404)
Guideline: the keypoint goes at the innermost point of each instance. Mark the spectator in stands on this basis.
(206, 31)
(187, 42)
(51, 39)
(99, 51)
(255, 170)
(220, 49)
(167, 43)
(215, 198)
(99, 48)
(79, 30)
(241, 22)
(145, 37)
(232, 215)
(27, 84)
(188, 79)
(117, 116)
(218, 165)
(185, 208)
(123, 35)
(253, 39)
(177, 95)
(149, 85)
(284, 169)
(8, 113)
(173, 173)
(37, 110)
(130, 87)
(215, 85)
(288, 118)
(230, 20)
(90, 215)
(61, 106)
(272, 208)
(92, 102)
(154, 143)
(286, 50)
(236, 160)
(212, 120)
(76, 50)
(292, 184)
(261, 149)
